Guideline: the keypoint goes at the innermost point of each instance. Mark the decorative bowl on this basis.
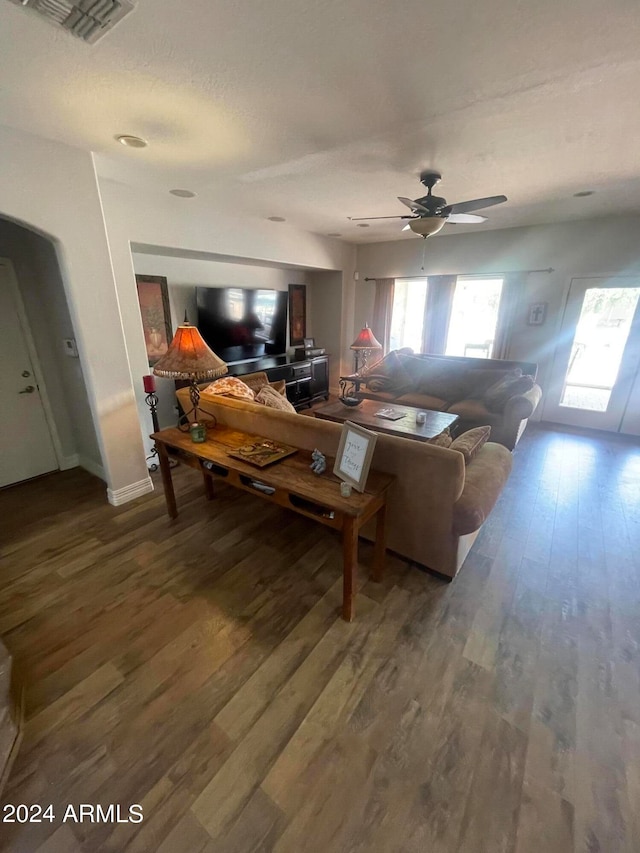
(352, 402)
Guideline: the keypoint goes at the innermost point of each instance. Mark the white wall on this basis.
(183, 275)
(600, 247)
(36, 267)
(52, 189)
(188, 228)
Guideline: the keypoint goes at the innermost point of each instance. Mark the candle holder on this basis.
(152, 401)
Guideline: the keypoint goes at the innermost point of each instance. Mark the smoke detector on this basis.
(89, 20)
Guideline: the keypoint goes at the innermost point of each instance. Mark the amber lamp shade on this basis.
(363, 345)
(189, 357)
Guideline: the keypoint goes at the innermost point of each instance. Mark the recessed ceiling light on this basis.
(334, 234)
(363, 224)
(183, 193)
(276, 219)
(132, 141)
(583, 193)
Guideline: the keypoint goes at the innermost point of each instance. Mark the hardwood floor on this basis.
(201, 668)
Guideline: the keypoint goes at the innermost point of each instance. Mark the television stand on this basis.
(255, 363)
(307, 380)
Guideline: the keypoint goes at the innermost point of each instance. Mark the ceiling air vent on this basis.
(86, 19)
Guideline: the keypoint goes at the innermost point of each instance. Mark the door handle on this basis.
(28, 390)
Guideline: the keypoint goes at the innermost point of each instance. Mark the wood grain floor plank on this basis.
(199, 666)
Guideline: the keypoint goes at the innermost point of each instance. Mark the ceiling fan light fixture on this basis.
(428, 225)
(130, 141)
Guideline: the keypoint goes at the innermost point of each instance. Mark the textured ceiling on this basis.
(317, 111)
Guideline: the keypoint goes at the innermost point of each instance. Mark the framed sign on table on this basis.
(153, 299)
(355, 452)
(297, 313)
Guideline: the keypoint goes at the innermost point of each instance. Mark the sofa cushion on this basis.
(268, 396)
(497, 396)
(470, 442)
(229, 386)
(422, 401)
(474, 411)
(412, 366)
(481, 379)
(440, 379)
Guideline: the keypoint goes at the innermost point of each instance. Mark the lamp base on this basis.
(193, 416)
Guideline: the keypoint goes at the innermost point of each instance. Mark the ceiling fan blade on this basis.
(464, 218)
(407, 227)
(474, 204)
(361, 218)
(413, 205)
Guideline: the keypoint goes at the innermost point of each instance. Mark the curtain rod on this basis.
(471, 275)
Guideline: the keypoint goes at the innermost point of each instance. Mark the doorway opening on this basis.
(47, 423)
(598, 347)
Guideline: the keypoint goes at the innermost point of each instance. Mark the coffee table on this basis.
(365, 415)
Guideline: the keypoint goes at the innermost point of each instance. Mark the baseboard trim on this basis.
(117, 497)
(67, 462)
(92, 467)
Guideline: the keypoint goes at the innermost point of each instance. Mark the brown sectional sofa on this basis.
(457, 385)
(436, 505)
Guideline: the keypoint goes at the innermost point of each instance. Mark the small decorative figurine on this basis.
(319, 464)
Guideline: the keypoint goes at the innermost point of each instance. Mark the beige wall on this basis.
(52, 189)
(605, 247)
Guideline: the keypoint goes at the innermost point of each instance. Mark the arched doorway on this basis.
(47, 422)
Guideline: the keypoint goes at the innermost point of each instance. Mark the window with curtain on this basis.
(474, 317)
(447, 314)
(407, 318)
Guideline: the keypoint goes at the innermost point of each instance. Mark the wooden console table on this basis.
(289, 483)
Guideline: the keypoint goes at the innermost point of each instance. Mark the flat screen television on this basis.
(240, 323)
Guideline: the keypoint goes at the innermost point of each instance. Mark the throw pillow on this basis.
(256, 381)
(387, 375)
(268, 396)
(470, 442)
(280, 386)
(229, 386)
(443, 439)
(479, 380)
(496, 397)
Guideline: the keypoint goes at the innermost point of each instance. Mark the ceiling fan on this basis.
(429, 213)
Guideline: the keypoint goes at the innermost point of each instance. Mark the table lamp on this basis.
(189, 357)
(364, 344)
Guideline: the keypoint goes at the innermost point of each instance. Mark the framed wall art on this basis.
(355, 452)
(297, 313)
(537, 313)
(153, 299)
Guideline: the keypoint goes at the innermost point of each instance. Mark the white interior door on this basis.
(26, 447)
(598, 354)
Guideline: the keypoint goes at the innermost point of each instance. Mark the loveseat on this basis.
(437, 503)
(501, 394)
